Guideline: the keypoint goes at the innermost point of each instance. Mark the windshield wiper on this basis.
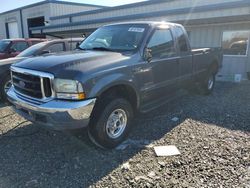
(96, 48)
(101, 48)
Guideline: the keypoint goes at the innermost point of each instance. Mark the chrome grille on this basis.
(32, 84)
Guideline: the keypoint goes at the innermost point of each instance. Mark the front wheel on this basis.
(4, 88)
(110, 126)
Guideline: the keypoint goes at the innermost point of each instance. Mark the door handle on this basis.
(136, 70)
(141, 70)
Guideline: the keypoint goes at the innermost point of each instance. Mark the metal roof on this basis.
(51, 1)
(107, 9)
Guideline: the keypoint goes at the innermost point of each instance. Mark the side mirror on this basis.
(147, 55)
(44, 52)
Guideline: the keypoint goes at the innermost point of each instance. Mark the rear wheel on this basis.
(207, 86)
(4, 88)
(110, 124)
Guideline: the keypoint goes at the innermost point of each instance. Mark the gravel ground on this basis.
(211, 132)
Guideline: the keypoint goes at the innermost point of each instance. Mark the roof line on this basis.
(106, 9)
(74, 3)
(194, 22)
(152, 14)
(51, 1)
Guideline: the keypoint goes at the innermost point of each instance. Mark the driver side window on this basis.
(161, 44)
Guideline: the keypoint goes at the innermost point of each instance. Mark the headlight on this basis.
(69, 89)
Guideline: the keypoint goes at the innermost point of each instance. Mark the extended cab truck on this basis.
(120, 69)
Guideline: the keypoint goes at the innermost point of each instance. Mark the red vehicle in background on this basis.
(12, 47)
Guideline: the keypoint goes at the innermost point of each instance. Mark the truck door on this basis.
(186, 61)
(164, 65)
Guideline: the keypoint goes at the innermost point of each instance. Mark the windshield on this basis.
(3, 45)
(126, 37)
(32, 50)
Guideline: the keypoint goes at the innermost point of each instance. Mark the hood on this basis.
(10, 61)
(72, 62)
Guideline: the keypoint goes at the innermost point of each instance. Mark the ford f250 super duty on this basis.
(119, 70)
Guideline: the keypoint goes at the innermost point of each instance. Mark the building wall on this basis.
(163, 6)
(11, 17)
(182, 17)
(62, 9)
(94, 19)
(33, 12)
(46, 9)
(211, 36)
(2, 31)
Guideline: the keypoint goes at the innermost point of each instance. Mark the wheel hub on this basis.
(116, 123)
(210, 82)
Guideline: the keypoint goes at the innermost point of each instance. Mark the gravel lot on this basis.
(212, 134)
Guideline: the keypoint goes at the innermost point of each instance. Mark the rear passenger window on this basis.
(161, 44)
(19, 46)
(182, 40)
(58, 47)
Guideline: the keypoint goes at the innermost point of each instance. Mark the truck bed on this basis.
(202, 58)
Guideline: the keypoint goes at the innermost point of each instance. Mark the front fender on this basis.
(110, 81)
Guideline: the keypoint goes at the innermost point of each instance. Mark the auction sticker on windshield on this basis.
(136, 29)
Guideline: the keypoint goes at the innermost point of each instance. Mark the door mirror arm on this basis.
(147, 55)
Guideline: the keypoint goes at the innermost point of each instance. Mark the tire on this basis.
(110, 123)
(4, 86)
(207, 86)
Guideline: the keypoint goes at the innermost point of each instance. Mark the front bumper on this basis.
(55, 114)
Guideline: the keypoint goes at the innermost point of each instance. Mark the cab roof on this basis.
(150, 23)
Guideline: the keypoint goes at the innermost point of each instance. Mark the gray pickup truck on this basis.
(119, 70)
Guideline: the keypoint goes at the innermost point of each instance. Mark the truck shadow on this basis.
(227, 107)
(2, 105)
(36, 157)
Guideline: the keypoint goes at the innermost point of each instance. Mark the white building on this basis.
(17, 23)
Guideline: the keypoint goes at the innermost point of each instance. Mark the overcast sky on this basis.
(12, 4)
